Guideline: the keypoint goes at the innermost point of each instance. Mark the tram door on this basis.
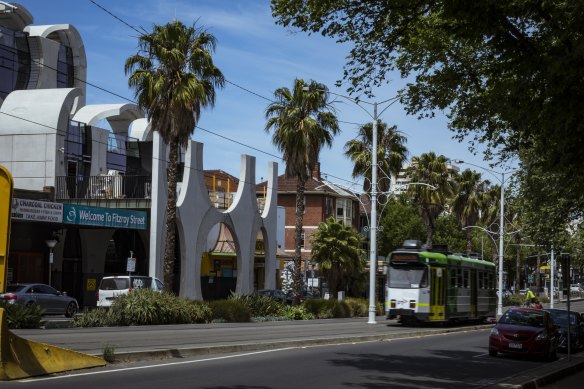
(473, 294)
(438, 291)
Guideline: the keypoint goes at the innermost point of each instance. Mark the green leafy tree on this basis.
(336, 249)
(400, 221)
(391, 154)
(467, 200)
(433, 170)
(448, 232)
(303, 122)
(508, 72)
(174, 76)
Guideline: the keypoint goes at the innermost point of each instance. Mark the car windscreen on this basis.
(561, 318)
(114, 284)
(408, 276)
(15, 288)
(141, 282)
(522, 318)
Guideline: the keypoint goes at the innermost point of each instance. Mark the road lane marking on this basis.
(154, 366)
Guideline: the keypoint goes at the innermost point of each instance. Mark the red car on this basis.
(526, 332)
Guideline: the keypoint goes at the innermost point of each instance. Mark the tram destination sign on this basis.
(104, 217)
(404, 257)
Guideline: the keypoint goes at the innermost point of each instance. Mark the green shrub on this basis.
(514, 300)
(146, 307)
(298, 312)
(260, 306)
(359, 307)
(98, 317)
(319, 308)
(19, 316)
(340, 309)
(231, 310)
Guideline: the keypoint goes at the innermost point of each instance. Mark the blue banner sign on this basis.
(104, 217)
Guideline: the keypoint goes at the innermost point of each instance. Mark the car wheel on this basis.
(493, 353)
(71, 310)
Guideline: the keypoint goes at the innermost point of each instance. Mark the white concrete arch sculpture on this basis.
(196, 216)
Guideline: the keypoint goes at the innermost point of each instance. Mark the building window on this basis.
(302, 239)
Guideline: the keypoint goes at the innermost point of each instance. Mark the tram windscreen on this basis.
(408, 276)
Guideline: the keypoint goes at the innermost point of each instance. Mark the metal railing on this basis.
(103, 187)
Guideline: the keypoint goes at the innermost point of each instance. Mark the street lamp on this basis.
(373, 237)
(501, 228)
(51, 243)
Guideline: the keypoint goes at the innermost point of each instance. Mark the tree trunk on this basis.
(169, 254)
(518, 264)
(468, 242)
(297, 274)
(332, 287)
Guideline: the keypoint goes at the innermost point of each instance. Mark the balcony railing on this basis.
(103, 187)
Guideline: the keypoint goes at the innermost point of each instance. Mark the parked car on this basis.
(526, 332)
(560, 317)
(575, 289)
(48, 298)
(112, 286)
(276, 294)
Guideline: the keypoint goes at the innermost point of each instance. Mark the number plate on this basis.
(518, 346)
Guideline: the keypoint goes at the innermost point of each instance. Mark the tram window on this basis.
(481, 280)
(459, 277)
(453, 278)
(491, 281)
(466, 279)
(408, 277)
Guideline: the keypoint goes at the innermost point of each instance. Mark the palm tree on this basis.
(391, 153)
(336, 249)
(174, 77)
(433, 170)
(467, 201)
(303, 122)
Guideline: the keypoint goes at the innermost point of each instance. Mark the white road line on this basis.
(152, 366)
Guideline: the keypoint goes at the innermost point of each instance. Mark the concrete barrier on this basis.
(21, 358)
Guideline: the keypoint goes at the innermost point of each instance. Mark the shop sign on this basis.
(104, 217)
(36, 210)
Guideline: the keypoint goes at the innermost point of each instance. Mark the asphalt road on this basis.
(455, 360)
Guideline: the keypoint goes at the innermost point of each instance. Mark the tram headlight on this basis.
(413, 304)
(393, 304)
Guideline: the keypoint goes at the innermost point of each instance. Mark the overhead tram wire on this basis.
(60, 132)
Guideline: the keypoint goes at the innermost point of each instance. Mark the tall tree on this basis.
(336, 249)
(433, 170)
(491, 203)
(391, 154)
(303, 122)
(508, 72)
(174, 76)
(467, 200)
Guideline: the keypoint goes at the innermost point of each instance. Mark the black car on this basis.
(560, 317)
(48, 298)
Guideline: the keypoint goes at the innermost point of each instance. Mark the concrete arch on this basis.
(119, 116)
(141, 129)
(196, 216)
(67, 35)
(34, 123)
(14, 16)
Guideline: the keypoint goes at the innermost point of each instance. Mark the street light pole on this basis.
(501, 232)
(51, 243)
(373, 238)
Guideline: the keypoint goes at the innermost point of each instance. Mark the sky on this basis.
(256, 56)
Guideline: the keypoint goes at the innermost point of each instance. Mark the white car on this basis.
(575, 288)
(113, 286)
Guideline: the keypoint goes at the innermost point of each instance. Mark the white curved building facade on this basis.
(52, 143)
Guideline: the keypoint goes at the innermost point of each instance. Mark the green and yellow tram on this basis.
(434, 285)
